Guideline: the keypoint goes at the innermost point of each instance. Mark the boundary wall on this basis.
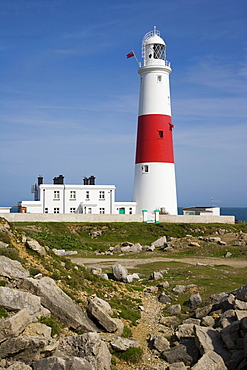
(73, 217)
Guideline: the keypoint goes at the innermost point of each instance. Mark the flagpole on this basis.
(139, 63)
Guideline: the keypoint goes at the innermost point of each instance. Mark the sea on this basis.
(240, 213)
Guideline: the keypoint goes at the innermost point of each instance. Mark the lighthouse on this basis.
(155, 183)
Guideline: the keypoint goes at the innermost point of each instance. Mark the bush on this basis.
(127, 333)
(56, 327)
(3, 313)
(131, 355)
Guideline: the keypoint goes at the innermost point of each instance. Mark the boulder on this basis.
(240, 305)
(170, 321)
(59, 303)
(15, 300)
(159, 343)
(96, 270)
(215, 298)
(150, 248)
(3, 245)
(59, 363)
(177, 354)
(195, 300)
(159, 242)
(230, 335)
(241, 293)
(24, 348)
(99, 310)
(131, 277)
(88, 346)
(156, 275)
(163, 284)
(210, 361)
(168, 249)
(182, 288)
(122, 344)
(19, 366)
(12, 269)
(163, 298)
(177, 366)
(176, 308)
(38, 329)
(35, 246)
(14, 325)
(119, 272)
(63, 252)
(208, 339)
(184, 330)
(203, 311)
(208, 321)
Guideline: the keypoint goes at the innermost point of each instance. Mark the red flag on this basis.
(131, 54)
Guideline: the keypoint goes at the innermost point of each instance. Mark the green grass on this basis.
(132, 355)
(3, 313)
(75, 236)
(56, 326)
(127, 308)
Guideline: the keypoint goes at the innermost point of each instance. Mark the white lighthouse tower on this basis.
(155, 184)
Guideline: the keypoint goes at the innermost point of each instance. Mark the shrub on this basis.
(56, 326)
(127, 333)
(3, 313)
(131, 355)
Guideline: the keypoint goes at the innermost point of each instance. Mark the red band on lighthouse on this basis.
(154, 139)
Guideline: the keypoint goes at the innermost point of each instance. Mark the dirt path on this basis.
(134, 262)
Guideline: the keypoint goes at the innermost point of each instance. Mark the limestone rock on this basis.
(119, 272)
(59, 363)
(59, 303)
(88, 346)
(215, 298)
(24, 348)
(12, 269)
(156, 275)
(3, 245)
(131, 277)
(159, 343)
(35, 246)
(159, 242)
(176, 308)
(63, 252)
(98, 309)
(38, 329)
(19, 366)
(177, 366)
(182, 288)
(241, 293)
(208, 339)
(122, 344)
(207, 321)
(203, 311)
(15, 300)
(163, 298)
(195, 300)
(14, 325)
(210, 361)
(96, 270)
(170, 321)
(177, 354)
(184, 330)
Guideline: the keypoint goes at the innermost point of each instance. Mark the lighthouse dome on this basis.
(155, 39)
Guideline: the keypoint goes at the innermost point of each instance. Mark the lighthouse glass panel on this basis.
(159, 51)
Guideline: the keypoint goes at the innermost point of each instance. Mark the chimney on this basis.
(58, 180)
(40, 180)
(91, 180)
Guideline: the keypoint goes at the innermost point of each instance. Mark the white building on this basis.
(202, 211)
(88, 198)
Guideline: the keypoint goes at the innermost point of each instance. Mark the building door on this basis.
(121, 211)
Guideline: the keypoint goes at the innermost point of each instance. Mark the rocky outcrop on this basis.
(12, 269)
(59, 303)
(100, 310)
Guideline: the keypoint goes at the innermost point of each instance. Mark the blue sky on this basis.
(69, 97)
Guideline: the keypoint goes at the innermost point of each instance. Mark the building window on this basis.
(101, 195)
(161, 134)
(102, 211)
(72, 210)
(56, 194)
(130, 211)
(89, 211)
(72, 194)
(46, 210)
(145, 168)
(56, 210)
(159, 78)
(87, 194)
